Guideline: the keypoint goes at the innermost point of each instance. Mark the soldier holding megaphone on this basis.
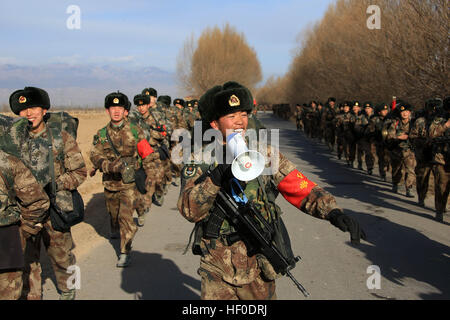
(242, 241)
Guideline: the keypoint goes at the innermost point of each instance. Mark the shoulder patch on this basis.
(189, 171)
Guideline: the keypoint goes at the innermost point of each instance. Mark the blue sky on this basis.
(148, 33)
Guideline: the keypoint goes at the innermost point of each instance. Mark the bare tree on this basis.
(220, 55)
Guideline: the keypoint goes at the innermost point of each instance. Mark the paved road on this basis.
(409, 247)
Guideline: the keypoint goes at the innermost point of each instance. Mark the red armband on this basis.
(144, 148)
(295, 187)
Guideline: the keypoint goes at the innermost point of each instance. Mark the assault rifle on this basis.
(257, 234)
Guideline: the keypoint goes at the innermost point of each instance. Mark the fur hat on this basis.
(166, 100)
(150, 92)
(179, 101)
(141, 99)
(29, 97)
(117, 99)
(222, 100)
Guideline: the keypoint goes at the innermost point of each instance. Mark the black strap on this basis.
(112, 144)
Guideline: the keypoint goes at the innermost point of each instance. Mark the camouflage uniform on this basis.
(329, 116)
(374, 132)
(422, 151)
(121, 197)
(339, 134)
(156, 138)
(344, 125)
(401, 154)
(359, 121)
(70, 172)
(226, 270)
(24, 202)
(441, 167)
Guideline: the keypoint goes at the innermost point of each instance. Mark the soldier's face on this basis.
(152, 101)
(405, 114)
(233, 122)
(116, 113)
(346, 109)
(384, 112)
(36, 116)
(332, 104)
(143, 109)
(369, 111)
(356, 109)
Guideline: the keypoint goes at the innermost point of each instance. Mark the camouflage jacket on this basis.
(419, 137)
(154, 135)
(21, 196)
(374, 128)
(395, 129)
(196, 203)
(125, 139)
(440, 152)
(189, 118)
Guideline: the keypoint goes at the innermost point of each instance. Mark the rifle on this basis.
(257, 234)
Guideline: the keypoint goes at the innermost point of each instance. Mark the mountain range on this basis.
(84, 85)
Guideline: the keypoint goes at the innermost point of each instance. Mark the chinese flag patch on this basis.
(295, 187)
(144, 148)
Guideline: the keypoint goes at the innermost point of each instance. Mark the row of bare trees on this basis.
(341, 57)
(217, 56)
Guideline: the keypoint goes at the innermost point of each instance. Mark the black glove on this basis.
(218, 174)
(346, 223)
(48, 190)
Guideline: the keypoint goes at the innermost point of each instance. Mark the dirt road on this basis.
(410, 249)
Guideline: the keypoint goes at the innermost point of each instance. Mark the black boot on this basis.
(395, 188)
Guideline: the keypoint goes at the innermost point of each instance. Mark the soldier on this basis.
(338, 132)
(439, 128)
(117, 152)
(157, 119)
(422, 148)
(402, 155)
(298, 117)
(374, 132)
(367, 142)
(23, 209)
(227, 270)
(181, 123)
(69, 171)
(358, 123)
(345, 133)
(153, 136)
(189, 115)
(320, 122)
(329, 118)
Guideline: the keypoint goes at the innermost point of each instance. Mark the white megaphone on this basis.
(247, 164)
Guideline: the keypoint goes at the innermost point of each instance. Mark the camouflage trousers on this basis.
(120, 206)
(10, 284)
(330, 136)
(340, 145)
(423, 171)
(59, 247)
(442, 186)
(144, 201)
(368, 147)
(383, 159)
(403, 160)
(227, 273)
